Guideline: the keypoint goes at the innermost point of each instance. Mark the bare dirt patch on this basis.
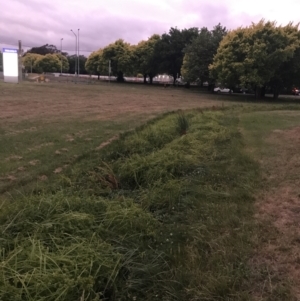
(43, 178)
(11, 178)
(280, 205)
(16, 132)
(58, 170)
(38, 147)
(14, 158)
(34, 162)
(69, 138)
(60, 151)
(107, 142)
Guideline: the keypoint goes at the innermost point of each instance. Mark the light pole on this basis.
(78, 53)
(75, 51)
(61, 64)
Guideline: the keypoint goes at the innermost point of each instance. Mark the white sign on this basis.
(10, 65)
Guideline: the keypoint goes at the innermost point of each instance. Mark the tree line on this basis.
(260, 57)
(171, 53)
(48, 58)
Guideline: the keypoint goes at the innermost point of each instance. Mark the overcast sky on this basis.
(37, 22)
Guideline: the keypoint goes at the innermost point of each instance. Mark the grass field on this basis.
(44, 127)
(197, 205)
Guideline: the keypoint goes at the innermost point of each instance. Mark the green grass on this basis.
(45, 127)
(165, 212)
(30, 150)
(260, 124)
(168, 220)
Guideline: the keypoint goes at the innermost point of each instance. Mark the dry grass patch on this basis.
(274, 139)
(103, 101)
(280, 205)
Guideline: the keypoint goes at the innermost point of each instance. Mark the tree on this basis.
(121, 56)
(287, 76)
(45, 63)
(45, 49)
(257, 55)
(200, 52)
(73, 61)
(82, 61)
(29, 60)
(95, 63)
(169, 49)
(65, 63)
(144, 59)
(48, 63)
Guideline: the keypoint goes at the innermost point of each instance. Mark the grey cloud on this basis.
(211, 13)
(41, 21)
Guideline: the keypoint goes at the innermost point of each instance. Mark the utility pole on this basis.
(20, 61)
(61, 64)
(78, 53)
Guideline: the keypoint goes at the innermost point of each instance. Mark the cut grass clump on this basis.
(59, 248)
(170, 216)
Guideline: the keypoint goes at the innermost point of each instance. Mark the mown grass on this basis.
(31, 150)
(273, 279)
(161, 215)
(165, 212)
(44, 127)
(259, 124)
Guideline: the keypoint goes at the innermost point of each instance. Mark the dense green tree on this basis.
(258, 56)
(200, 52)
(144, 58)
(169, 49)
(73, 61)
(42, 63)
(48, 63)
(29, 60)
(121, 55)
(45, 49)
(95, 63)
(287, 75)
(65, 62)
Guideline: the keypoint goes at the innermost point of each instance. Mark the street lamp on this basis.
(78, 52)
(75, 50)
(61, 64)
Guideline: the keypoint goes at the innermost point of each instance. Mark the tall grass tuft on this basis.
(182, 123)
